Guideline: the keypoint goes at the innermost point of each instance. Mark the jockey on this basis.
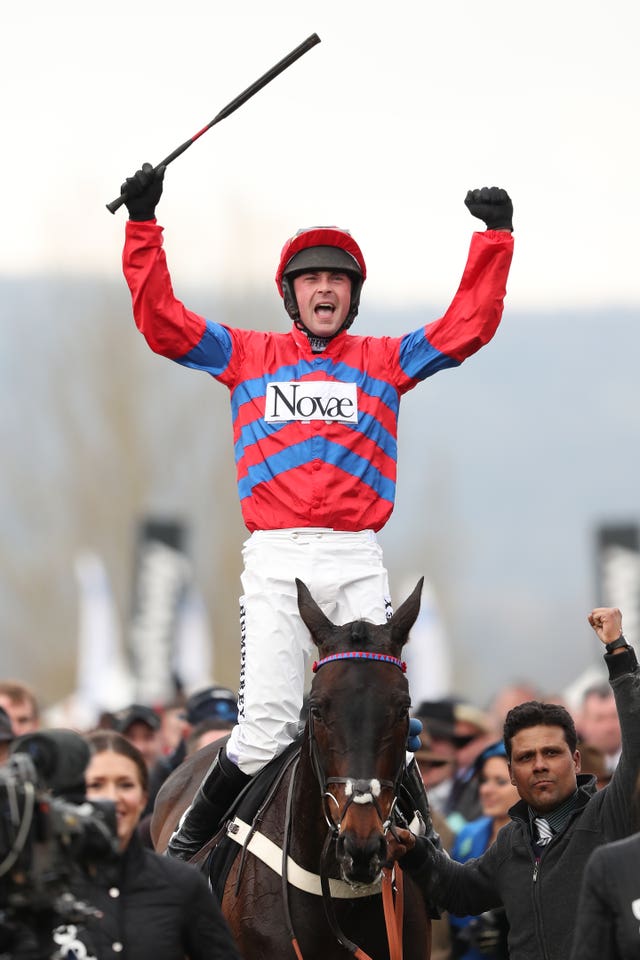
(315, 414)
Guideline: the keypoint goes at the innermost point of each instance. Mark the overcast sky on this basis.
(381, 128)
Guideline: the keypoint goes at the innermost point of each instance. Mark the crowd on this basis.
(485, 774)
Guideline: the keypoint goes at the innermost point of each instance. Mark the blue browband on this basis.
(360, 655)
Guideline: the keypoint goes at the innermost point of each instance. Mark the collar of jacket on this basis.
(302, 341)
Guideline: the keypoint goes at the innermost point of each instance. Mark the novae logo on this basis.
(311, 400)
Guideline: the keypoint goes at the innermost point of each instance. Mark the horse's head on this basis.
(357, 727)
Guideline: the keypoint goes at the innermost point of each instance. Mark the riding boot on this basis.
(220, 787)
(416, 808)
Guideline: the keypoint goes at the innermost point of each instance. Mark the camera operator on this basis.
(6, 735)
(48, 835)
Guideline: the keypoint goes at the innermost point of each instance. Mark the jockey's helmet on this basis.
(320, 248)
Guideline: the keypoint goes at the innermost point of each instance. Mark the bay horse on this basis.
(311, 880)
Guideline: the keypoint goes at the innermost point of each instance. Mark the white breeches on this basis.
(346, 577)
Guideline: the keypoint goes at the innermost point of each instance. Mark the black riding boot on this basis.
(414, 804)
(221, 785)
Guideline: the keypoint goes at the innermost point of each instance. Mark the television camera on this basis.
(49, 833)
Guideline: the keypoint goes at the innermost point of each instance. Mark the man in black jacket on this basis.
(534, 868)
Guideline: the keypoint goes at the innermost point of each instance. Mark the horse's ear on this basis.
(405, 616)
(319, 625)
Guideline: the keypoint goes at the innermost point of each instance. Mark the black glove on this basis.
(493, 205)
(143, 191)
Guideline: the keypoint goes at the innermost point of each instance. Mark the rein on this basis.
(393, 907)
(393, 911)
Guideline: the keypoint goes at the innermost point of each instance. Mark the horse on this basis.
(311, 880)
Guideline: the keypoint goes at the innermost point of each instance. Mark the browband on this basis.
(360, 655)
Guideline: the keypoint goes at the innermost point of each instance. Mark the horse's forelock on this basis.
(361, 635)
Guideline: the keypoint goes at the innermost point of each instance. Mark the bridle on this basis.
(359, 791)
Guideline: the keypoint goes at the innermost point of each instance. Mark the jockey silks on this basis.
(315, 434)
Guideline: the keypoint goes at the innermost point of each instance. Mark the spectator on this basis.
(534, 866)
(437, 756)
(20, 702)
(608, 921)
(140, 725)
(214, 704)
(172, 727)
(507, 697)
(472, 733)
(7, 736)
(459, 731)
(315, 415)
(593, 761)
(147, 907)
(598, 724)
(476, 938)
(436, 762)
(211, 703)
(205, 732)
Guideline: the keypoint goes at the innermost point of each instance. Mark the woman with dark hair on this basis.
(147, 907)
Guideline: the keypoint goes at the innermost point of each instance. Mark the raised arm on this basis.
(168, 327)
(624, 677)
(476, 309)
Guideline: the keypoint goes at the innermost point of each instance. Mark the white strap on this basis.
(271, 854)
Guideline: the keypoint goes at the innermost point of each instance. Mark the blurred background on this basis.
(120, 530)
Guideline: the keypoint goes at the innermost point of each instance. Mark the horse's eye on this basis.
(314, 710)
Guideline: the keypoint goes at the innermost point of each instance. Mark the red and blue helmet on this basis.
(321, 248)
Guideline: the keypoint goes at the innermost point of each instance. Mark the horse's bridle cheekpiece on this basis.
(360, 655)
